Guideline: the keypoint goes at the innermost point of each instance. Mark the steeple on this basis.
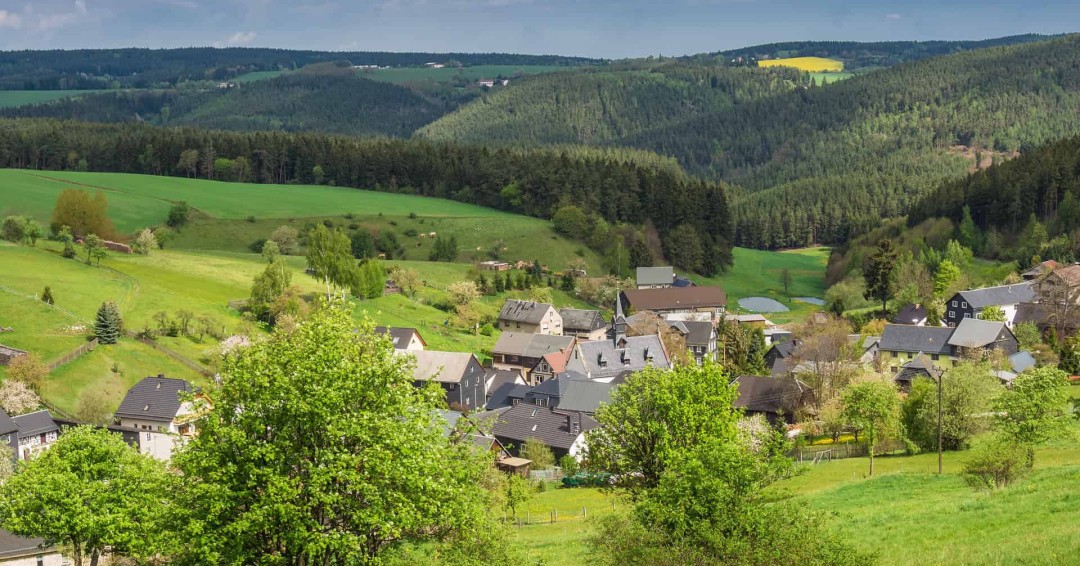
(618, 322)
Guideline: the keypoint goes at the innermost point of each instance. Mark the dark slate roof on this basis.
(581, 320)
(926, 339)
(32, 424)
(574, 393)
(502, 386)
(975, 333)
(698, 333)
(497, 377)
(771, 394)
(153, 399)
(998, 296)
(1022, 360)
(531, 345)
(920, 366)
(7, 424)
(550, 426)
(785, 349)
(400, 336)
(910, 314)
(14, 546)
(529, 312)
(673, 298)
(655, 275)
(603, 359)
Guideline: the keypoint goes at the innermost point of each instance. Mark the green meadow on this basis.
(401, 75)
(13, 98)
(758, 273)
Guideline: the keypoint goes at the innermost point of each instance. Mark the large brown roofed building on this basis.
(712, 300)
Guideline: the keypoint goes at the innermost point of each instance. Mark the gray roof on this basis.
(601, 359)
(699, 333)
(15, 546)
(550, 426)
(581, 320)
(655, 275)
(444, 367)
(975, 333)
(910, 314)
(153, 399)
(771, 394)
(920, 366)
(400, 336)
(572, 393)
(998, 296)
(914, 339)
(523, 311)
(7, 424)
(531, 345)
(32, 424)
(1022, 360)
(451, 418)
(497, 377)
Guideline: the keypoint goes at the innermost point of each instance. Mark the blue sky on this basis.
(598, 28)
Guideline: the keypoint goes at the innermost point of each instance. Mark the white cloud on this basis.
(47, 22)
(893, 16)
(10, 20)
(237, 39)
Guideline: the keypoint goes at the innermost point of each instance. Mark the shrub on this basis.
(411, 232)
(47, 296)
(412, 215)
(349, 216)
(28, 369)
(569, 465)
(178, 215)
(996, 464)
(487, 330)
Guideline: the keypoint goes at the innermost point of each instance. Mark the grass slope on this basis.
(13, 98)
(757, 273)
(403, 75)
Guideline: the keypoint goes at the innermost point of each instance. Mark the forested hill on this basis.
(1044, 182)
(157, 68)
(861, 55)
(336, 102)
(823, 162)
(610, 186)
(605, 105)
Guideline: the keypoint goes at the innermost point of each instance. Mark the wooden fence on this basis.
(174, 355)
(826, 452)
(74, 354)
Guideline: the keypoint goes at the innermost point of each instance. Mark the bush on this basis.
(251, 219)
(996, 464)
(487, 329)
(569, 465)
(411, 232)
(178, 215)
(412, 215)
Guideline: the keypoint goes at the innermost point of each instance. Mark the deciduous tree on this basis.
(873, 407)
(16, 398)
(29, 369)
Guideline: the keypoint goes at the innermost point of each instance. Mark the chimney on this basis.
(575, 424)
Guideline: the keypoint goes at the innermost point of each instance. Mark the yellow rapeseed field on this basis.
(809, 64)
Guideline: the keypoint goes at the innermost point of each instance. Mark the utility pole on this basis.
(940, 378)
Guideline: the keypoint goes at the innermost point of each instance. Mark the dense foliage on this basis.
(146, 68)
(621, 186)
(331, 99)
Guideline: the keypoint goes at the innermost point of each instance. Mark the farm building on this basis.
(7, 354)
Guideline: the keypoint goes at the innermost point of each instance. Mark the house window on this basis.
(895, 354)
(515, 402)
(967, 315)
(954, 303)
(952, 314)
(935, 357)
(964, 304)
(541, 401)
(517, 325)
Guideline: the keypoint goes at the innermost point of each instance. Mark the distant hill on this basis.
(605, 106)
(862, 55)
(335, 102)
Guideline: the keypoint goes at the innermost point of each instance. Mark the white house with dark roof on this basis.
(971, 303)
(529, 317)
(158, 409)
(655, 277)
(22, 551)
(403, 338)
(619, 354)
(562, 431)
(37, 431)
(583, 324)
(459, 373)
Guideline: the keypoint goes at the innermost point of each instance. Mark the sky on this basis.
(593, 28)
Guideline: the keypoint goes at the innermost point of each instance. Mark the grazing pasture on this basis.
(809, 64)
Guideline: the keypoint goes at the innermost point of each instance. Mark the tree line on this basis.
(621, 186)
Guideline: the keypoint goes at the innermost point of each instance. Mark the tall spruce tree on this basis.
(878, 270)
(108, 327)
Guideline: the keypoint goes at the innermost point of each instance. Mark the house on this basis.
(1040, 270)
(751, 320)
(20, 551)
(780, 399)
(459, 374)
(486, 83)
(778, 357)
(570, 392)
(494, 266)
(975, 334)
(901, 343)
(503, 386)
(37, 431)
(920, 366)
(583, 324)
(9, 433)
(1021, 361)
(1065, 320)
(550, 365)
(529, 317)
(776, 336)
(711, 300)
(911, 314)
(7, 354)
(655, 277)
(618, 355)
(462, 429)
(403, 338)
(562, 431)
(521, 351)
(700, 337)
(155, 406)
(434, 65)
(970, 304)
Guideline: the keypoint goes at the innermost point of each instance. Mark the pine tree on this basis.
(107, 325)
(878, 272)
(46, 296)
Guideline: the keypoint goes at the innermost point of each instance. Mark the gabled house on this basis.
(156, 408)
(403, 338)
(751, 320)
(21, 551)
(700, 337)
(912, 314)
(529, 317)
(37, 431)
(920, 366)
(778, 357)
(900, 343)
(619, 354)
(570, 392)
(459, 374)
(778, 398)
(503, 386)
(710, 300)
(1040, 270)
(9, 433)
(971, 303)
(562, 431)
(583, 324)
(550, 365)
(655, 277)
(523, 352)
(984, 335)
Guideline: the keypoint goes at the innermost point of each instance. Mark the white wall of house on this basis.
(415, 344)
(550, 324)
(48, 558)
(577, 449)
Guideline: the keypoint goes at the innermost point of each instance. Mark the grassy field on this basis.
(757, 273)
(257, 76)
(402, 75)
(809, 64)
(825, 78)
(13, 98)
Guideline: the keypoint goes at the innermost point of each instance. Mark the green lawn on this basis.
(563, 543)
(257, 76)
(828, 78)
(399, 75)
(13, 98)
(757, 273)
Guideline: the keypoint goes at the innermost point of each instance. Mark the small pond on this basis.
(762, 304)
(810, 301)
